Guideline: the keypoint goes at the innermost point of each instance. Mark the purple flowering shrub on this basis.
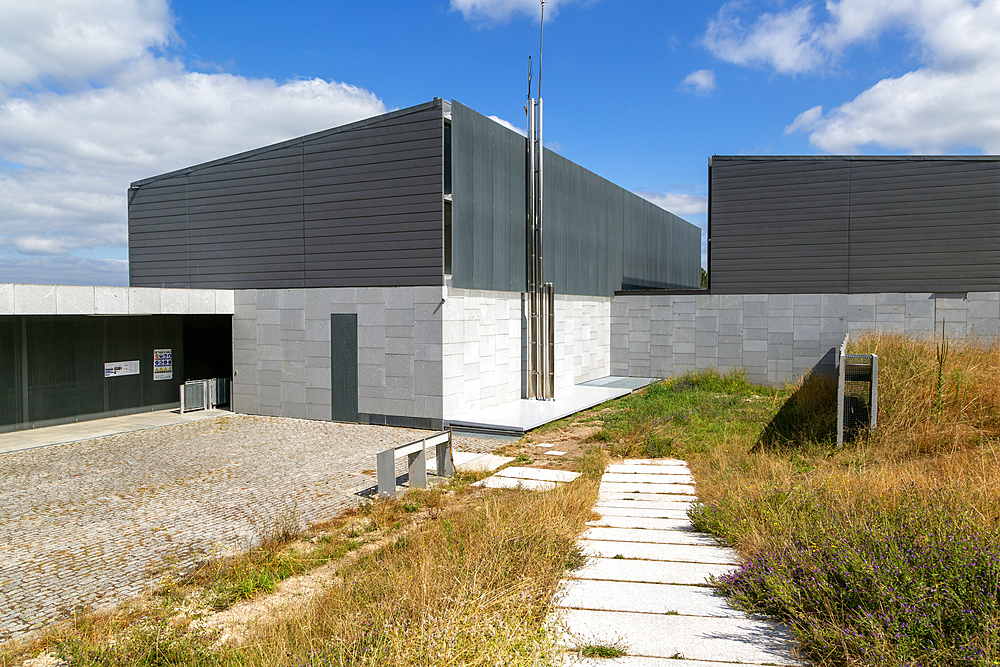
(910, 582)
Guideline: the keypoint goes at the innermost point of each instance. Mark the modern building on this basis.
(374, 272)
(804, 250)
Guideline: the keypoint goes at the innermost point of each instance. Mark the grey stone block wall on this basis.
(484, 346)
(777, 338)
(281, 351)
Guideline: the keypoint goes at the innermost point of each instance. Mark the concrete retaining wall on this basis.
(776, 338)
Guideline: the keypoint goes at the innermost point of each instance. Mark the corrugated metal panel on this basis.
(488, 196)
(855, 224)
(359, 205)
(598, 237)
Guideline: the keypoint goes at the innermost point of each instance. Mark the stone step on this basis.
(679, 522)
(739, 640)
(651, 571)
(647, 551)
(649, 536)
(640, 487)
(643, 598)
(633, 477)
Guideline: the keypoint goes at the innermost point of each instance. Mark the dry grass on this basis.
(456, 576)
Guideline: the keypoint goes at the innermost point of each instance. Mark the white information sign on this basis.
(116, 368)
(163, 364)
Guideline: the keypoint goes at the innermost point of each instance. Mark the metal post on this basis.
(532, 261)
(550, 352)
(873, 395)
(841, 387)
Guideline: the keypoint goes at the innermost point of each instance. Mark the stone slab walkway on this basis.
(644, 587)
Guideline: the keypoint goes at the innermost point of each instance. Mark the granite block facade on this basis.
(484, 346)
(281, 340)
(777, 338)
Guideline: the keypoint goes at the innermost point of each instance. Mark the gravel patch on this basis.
(92, 523)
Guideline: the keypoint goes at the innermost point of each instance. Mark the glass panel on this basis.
(447, 237)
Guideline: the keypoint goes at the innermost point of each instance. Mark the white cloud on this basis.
(485, 12)
(786, 40)
(678, 204)
(510, 126)
(67, 158)
(946, 103)
(71, 41)
(805, 120)
(701, 82)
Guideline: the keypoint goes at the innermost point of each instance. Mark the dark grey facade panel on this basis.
(597, 236)
(290, 215)
(344, 367)
(488, 217)
(910, 224)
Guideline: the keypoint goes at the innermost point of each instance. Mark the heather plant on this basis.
(913, 583)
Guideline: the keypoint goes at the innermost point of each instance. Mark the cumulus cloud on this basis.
(485, 12)
(947, 102)
(805, 120)
(70, 41)
(701, 82)
(67, 156)
(678, 204)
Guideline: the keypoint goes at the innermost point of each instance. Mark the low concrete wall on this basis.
(23, 299)
(484, 346)
(281, 341)
(776, 338)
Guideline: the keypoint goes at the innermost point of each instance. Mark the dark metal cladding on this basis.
(356, 206)
(598, 237)
(854, 224)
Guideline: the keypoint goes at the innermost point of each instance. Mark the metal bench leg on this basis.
(418, 469)
(385, 465)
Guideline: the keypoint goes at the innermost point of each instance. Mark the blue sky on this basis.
(95, 94)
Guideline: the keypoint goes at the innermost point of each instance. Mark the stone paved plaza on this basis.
(94, 522)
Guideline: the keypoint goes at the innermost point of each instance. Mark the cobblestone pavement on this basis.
(94, 522)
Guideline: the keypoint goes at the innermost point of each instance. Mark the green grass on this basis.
(886, 552)
(602, 651)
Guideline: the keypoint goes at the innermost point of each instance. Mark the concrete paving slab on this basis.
(653, 462)
(647, 661)
(555, 452)
(639, 487)
(539, 473)
(651, 513)
(647, 469)
(496, 482)
(643, 598)
(650, 536)
(633, 477)
(611, 521)
(637, 497)
(656, 572)
(628, 502)
(473, 462)
(648, 551)
(693, 637)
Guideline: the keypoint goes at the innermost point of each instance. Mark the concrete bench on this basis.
(416, 452)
